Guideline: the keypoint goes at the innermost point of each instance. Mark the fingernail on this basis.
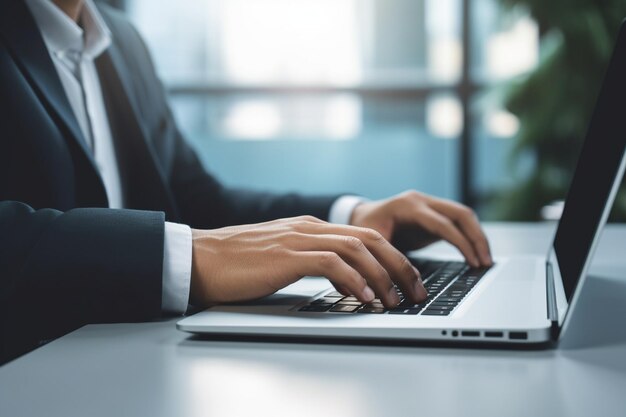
(393, 296)
(367, 294)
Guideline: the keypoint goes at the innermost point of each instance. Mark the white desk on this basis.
(153, 370)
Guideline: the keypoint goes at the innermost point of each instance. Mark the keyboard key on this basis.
(458, 288)
(410, 304)
(429, 312)
(472, 278)
(374, 304)
(344, 308)
(405, 311)
(325, 300)
(455, 293)
(454, 299)
(317, 308)
(371, 310)
(335, 294)
(443, 303)
(351, 298)
(349, 303)
(440, 307)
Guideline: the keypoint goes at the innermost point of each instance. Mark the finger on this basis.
(469, 225)
(342, 290)
(401, 270)
(443, 227)
(336, 270)
(353, 251)
(395, 263)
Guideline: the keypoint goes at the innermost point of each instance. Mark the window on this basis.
(367, 96)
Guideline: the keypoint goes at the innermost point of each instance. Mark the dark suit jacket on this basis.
(65, 259)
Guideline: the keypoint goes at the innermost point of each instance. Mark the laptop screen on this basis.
(596, 173)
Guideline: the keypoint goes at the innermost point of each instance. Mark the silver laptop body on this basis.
(523, 300)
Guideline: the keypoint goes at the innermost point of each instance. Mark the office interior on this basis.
(481, 101)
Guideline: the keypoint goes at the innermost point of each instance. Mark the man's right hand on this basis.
(241, 263)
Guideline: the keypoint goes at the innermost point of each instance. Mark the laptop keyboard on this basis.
(447, 283)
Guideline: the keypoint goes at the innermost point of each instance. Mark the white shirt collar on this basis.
(61, 34)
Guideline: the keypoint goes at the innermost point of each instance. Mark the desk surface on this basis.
(151, 369)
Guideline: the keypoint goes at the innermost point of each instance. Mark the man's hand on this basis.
(247, 262)
(413, 220)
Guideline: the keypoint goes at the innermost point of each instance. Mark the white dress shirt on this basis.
(73, 50)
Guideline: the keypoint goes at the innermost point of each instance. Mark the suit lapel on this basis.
(145, 183)
(29, 49)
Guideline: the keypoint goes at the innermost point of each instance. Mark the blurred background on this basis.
(481, 101)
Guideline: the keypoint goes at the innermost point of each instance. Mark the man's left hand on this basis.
(412, 220)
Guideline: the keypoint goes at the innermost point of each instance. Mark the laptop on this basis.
(519, 300)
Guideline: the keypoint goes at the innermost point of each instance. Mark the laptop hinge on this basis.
(553, 314)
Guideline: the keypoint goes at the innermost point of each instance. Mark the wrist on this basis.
(357, 214)
(377, 215)
(200, 249)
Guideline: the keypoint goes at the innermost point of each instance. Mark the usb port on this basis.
(518, 335)
(494, 334)
(470, 333)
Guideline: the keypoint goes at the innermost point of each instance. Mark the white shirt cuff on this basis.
(176, 268)
(342, 208)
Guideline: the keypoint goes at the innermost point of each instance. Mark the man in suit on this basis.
(107, 215)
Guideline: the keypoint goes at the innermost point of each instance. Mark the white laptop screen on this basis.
(598, 174)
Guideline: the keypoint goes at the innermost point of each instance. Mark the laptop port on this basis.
(470, 333)
(518, 335)
(494, 334)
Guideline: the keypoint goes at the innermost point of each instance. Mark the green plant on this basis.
(554, 102)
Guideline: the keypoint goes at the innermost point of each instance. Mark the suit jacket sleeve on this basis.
(205, 203)
(60, 271)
